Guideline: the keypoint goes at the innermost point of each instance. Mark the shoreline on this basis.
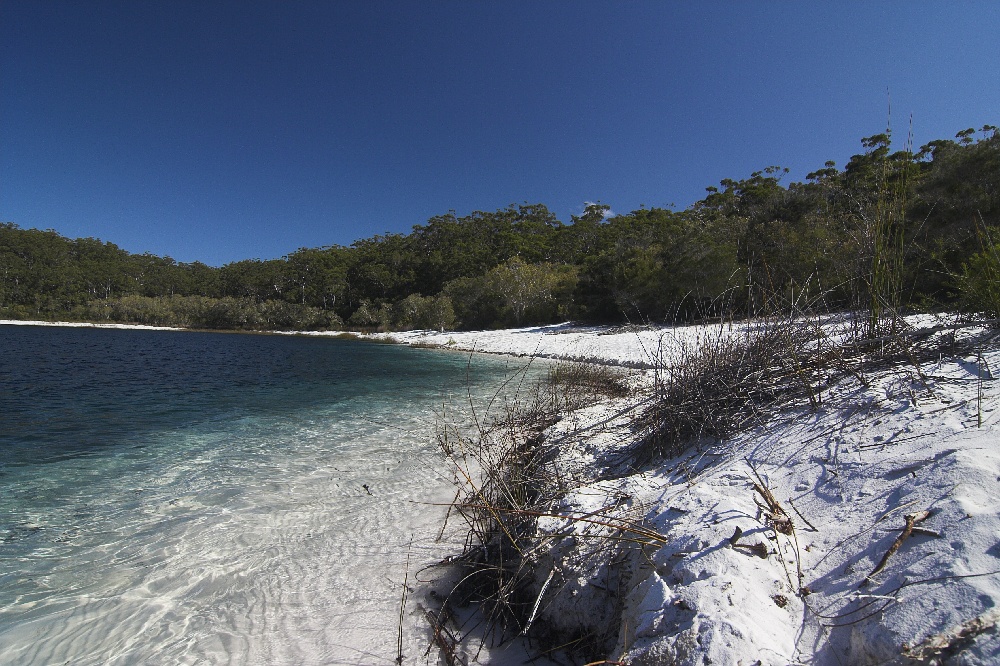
(890, 485)
(639, 348)
(87, 324)
(633, 347)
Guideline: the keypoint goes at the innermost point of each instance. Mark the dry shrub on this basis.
(731, 381)
(509, 481)
(578, 384)
(504, 480)
(725, 382)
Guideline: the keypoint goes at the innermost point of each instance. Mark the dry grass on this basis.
(573, 385)
(725, 383)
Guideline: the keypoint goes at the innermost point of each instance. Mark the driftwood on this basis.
(912, 519)
(775, 513)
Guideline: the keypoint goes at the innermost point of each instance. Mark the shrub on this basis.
(979, 284)
(420, 312)
(369, 315)
(509, 480)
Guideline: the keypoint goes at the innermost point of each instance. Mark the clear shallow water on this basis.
(186, 498)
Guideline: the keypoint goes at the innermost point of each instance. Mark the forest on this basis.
(891, 231)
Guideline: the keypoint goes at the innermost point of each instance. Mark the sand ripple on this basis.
(258, 545)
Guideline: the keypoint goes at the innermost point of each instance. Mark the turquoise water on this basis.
(188, 498)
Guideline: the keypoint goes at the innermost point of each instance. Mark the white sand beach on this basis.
(890, 486)
(84, 324)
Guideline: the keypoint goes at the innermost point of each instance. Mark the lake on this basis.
(174, 497)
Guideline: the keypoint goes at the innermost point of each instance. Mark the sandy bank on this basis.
(636, 347)
(76, 324)
(888, 487)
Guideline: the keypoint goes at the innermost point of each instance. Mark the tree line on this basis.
(892, 229)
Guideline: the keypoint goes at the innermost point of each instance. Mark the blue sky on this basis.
(216, 131)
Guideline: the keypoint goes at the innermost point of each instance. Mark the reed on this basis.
(883, 226)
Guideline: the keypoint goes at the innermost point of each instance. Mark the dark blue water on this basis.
(67, 392)
(182, 497)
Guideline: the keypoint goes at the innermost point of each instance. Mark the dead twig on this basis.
(781, 523)
(799, 514)
(621, 526)
(912, 519)
(402, 606)
(443, 639)
(775, 513)
(758, 549)
(936, 649)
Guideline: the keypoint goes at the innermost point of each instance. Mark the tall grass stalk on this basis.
(885, 223)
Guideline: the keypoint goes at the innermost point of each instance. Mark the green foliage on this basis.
(370, 315)
(476, 305)
(382, 268)
(656, 265)
(513, 294)
(319, 276)
(878, 187)
(225, 313)
(890, 230)
(979, 282)
(958, 191)
(448, 247)
(532, 293)
(420, 312)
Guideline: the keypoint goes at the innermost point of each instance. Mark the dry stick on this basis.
(951, 642)
(911, 520)
(799, 514)
(979, 389)
(447, 516)
(781, 522)
(443, 638)
(779, 517)
(468, 386)
(487, 506)
(538, 602)
(557, 648)
(894, 599)
(521, 372)
(402, 606)
(878, 520)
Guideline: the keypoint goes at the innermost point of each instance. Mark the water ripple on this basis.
(277, 536)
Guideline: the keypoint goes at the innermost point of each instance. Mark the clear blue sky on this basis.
(216, 131)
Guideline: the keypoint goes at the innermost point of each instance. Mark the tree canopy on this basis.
(899, 228)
